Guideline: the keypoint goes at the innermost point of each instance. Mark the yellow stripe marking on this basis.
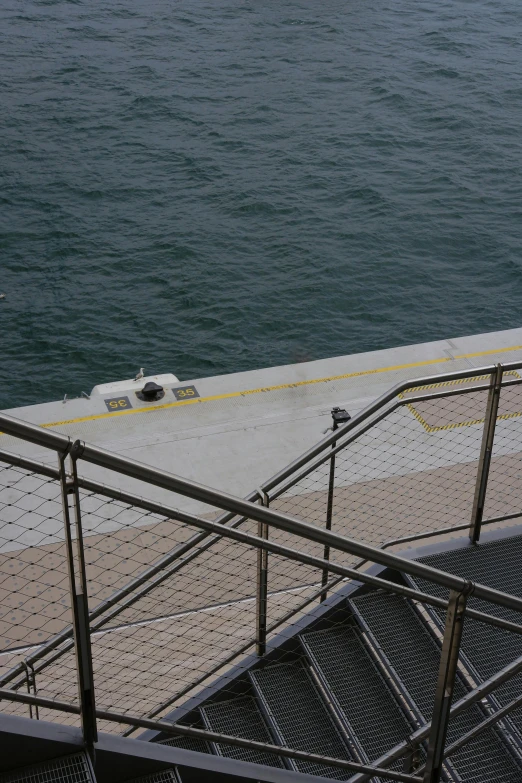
(230, 395)
(488, 353)
(453, 425)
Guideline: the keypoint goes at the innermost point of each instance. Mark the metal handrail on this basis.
(177, 730)
(405, 402)
(446, 530)
(259, 543)
(485, 724)
(55, 441)
(62, 443)
(184, 548)
(364, 771)
(219, 531)
(248, 509)
(281, 521)
(361, 418)
(176, 554)
(373, 408)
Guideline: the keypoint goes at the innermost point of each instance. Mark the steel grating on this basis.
(165, 776)
(240, 718)
(415, 655)
(486, 648)
(69, 769)
(357, 685)
(301, 716)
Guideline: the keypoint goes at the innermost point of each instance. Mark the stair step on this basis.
(68, 769)
(300, 716)
(359, 689)
(240, 717)
(415, 655)
(486, 648)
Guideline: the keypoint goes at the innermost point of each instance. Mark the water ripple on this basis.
(205, 187)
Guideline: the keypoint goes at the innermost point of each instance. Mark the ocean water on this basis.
(206, 187)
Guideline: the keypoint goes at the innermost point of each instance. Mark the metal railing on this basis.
(99, 572)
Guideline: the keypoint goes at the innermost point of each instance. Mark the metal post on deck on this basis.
(339, 416)
(486, 451)
(446, 682)
(262, 582)
(79, 602)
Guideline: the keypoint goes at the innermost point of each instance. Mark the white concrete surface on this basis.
(244, 427)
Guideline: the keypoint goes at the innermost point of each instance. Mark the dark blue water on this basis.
(205, 187)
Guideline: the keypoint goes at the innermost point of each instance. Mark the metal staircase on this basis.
(76, 769)
(199, 629)
(347, 670)
(69, 769)
(355, 689)
(410, 655)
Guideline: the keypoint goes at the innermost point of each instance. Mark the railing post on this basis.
(486, 451)
(28, 686)
(79, 602)
(339, 416)
(262, 582)
(412, 760)
(30, 680)
(445, 683)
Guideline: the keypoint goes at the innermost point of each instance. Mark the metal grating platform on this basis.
(69, 769)
(300, 716)
(240, 718)
(486, 648)
(415, 656)
(359, 689)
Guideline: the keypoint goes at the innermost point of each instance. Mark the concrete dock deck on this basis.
(244, 427)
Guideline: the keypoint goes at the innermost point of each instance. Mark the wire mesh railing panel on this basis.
(137, 665)
(414, 471)
(34, 587)
(504, 485)
(184, 618)
(121, 541)
(176, 606)
(35, 595)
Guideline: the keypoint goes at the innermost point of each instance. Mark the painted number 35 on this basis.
(185, 392)
(118, 404)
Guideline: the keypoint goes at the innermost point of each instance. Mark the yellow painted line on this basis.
(457, 424)
(488, 353)
(245, 393)
(453, 425)
(456, 382)
(231, 395)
